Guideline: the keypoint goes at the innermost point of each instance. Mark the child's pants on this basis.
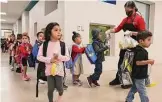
(10, 60)
(54, 82)
(13, 62)
(97, 71)
(138, 86)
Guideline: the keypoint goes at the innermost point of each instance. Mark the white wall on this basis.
(85, 12)
(6, 26)
(5, 33)
(17, 27)
(25, 21)
(37, 15)
(71, 14)
(156, 49)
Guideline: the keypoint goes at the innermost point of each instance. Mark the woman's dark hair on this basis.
(75, 35)
(131, 4)
(39, 33)
(19, 36)
(48, 30)
(143, 35)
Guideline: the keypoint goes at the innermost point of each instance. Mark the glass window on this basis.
(144, 9)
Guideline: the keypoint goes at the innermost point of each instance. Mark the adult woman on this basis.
(134, 23)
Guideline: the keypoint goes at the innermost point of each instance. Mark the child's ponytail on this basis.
(75, 35)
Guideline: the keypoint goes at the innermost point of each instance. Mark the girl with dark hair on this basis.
(133, 23)
(76, 55)
(53, 60)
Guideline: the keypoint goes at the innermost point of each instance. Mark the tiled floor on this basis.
(13, 89)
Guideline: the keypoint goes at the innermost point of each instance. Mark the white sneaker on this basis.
(12, 68)
(41, 81)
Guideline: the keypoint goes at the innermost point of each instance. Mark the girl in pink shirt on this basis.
(53, 56)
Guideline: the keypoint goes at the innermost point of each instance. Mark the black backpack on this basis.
(41, 65)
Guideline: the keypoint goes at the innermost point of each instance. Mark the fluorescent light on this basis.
(4, 1)
(2, 20)
(2, 13)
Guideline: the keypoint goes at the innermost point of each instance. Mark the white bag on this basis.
(127, 42)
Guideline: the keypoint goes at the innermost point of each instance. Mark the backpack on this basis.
(125, 71)
(31, 60)
(35, 51)
(91, 55)
(70, 64)
(41, 65)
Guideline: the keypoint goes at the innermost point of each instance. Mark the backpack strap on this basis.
(62, 45)
(63, 51)
(45, 45)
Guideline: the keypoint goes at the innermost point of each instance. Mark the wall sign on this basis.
(80, 28)
(110, 1)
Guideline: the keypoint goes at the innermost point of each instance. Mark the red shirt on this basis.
(23, 49)
(138, 22)
(76, 50)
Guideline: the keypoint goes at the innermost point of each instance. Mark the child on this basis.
(53, 57)
(76, 55)
(17, 56)
(140, 67)
(25, 50)
(38, 43)
(10, 45)
(64, 78)
(99, 49)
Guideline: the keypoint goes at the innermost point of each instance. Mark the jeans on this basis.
(138, 86)
(97, 71)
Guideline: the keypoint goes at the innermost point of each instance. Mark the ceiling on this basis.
(13, 10)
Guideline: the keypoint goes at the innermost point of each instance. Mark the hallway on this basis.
(13, 89)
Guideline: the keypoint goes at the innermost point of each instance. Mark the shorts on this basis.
(24, 61)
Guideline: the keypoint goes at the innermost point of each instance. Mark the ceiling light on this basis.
(2, 13)
(2, 20)
(4, 1)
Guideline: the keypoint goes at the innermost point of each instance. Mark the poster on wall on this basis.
(103, 29)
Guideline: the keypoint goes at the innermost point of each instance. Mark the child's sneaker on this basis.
(41, 81)
(89, 81)
(18, 70)
(75, 83)
(65, 87)
(25, 78)
(96, 83)
(79, 82)
(12, 68)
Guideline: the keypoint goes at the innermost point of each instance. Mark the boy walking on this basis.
(140, 67)
(99, 49)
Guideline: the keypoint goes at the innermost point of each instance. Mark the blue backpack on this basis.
(91, 55)
(35, 51)
(70, 64)
(31, 61)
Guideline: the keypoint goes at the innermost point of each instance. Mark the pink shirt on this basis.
(53, 47)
